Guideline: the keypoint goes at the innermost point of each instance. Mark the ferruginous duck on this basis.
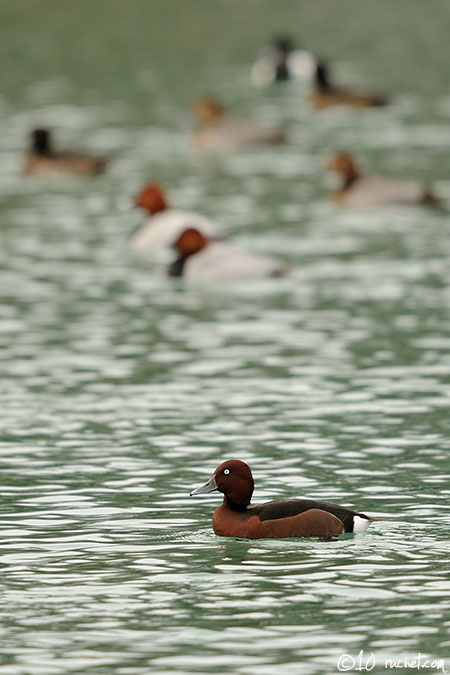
(282, 62)
(363, 191)
(220, 131)
(42, 158)
(272, 520)
(327, 94)
(164, 225)
(200, 257)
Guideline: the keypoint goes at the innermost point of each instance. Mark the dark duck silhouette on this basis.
(42, 158)
(327, 94)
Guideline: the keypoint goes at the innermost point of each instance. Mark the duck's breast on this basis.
(38, 165)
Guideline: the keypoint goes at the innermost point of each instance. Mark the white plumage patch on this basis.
(360, 524)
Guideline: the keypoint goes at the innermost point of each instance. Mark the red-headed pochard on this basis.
(362, 191)
(164, 225)
(220, 131)
(200, 257)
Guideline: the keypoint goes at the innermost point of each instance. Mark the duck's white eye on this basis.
(226, 471)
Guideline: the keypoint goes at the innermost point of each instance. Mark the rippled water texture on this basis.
(122, 390)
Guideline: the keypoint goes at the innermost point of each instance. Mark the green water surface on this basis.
(121, 389)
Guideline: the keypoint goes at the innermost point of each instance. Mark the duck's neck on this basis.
(281, 70)
(350, 176)
(41, 144)
(176, 268)
(157, 208)
(234, 506)
(322, 78)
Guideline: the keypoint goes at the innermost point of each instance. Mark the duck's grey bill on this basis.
(210, 486)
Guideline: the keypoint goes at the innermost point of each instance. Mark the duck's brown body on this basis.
(249, 524)
(326, 98)
(60, 162)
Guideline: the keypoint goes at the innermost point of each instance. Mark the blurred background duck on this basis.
(200, 257)
(282, 61)
(326, 94)
(363, 191)
(163, 225)
(220, 131)
(42, 158)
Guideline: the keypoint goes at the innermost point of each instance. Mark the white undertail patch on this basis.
(360, 524)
